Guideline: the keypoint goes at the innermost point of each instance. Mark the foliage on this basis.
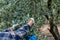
(19, 11)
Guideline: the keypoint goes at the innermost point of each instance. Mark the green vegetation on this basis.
(19, 11)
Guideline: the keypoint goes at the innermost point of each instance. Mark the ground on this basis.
(44, 31)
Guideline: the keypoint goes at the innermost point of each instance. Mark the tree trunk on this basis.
(53, 28)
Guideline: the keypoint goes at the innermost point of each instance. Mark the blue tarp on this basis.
(33, 37)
